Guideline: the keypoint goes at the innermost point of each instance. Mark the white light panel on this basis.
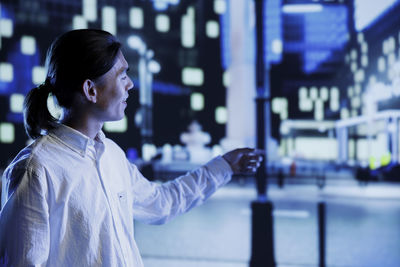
(197, 101)
(220, 6)
(188, 29)
(364, 61)
(17, 103)
(381, 64)
(136, 18)
(277, 46)
(334, 99)
(7, 133)
(226, 78)
(54, 109)
(6, 72)
(324, 93)
(221, 115)
(6, 27)
(89, 10)
(38, 75)
(28, 45)
(79, 22)
(109, 19)
(162, 23)
(120, 126)
(212, 29)
(319, 110)
(320, 148)
(314, 93)
(192, 76)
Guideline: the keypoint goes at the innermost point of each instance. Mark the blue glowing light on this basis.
(368, 11)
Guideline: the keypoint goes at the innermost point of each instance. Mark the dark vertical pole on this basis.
(321, 233)
(262, 254)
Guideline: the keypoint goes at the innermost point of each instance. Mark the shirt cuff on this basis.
(219, 167)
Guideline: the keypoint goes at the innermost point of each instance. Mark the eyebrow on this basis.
(122, 70)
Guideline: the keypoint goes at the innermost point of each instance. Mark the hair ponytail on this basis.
(36, 114)
(71, 59)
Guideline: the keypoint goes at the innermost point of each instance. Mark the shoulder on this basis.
(113, 147)
(28, 159)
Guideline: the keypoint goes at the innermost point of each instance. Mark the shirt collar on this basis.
(75, 139)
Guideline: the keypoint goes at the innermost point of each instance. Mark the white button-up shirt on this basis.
(69, 200)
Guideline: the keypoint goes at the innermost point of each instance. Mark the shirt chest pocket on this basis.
(122, 197)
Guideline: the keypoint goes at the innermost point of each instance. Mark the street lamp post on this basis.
(262, 254)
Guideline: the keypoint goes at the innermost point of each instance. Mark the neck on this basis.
(82, 122)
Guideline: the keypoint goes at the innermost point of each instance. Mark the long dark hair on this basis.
(71, 59)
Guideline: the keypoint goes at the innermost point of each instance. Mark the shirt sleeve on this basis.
(157, 203)
(24, 220)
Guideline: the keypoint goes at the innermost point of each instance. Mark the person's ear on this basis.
(90, 91)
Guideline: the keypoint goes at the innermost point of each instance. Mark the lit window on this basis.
(38, 75)
(6, 27)
(334, 99)
(153, 66)
(360, 37)
(120, 126)
(357, 89)
(7, 133)
(221, 115)
(226, 78)
(28, 45)
(148, 151)
(353, 66)
(277, 46)
(385, 47)
(197, 101)
(350, 91)
(136, 18)
(314, 93)
(381, 64)
(79, 22)
(359, 76)
(89, 8)
(212, 29)
(353, 54)
(109, 19)
(54, 109)
(303, 92)
(17, 103)
(220, 6)
(356, 102)
(391, 44)
(6, 72)
(391, 59)
(192, 76)
(344, 113)
(280, 106)
(364, 61)
(162, 23)
(324, 93)
(319, 110)
(188, 29)
(364, 48)
(305, 104)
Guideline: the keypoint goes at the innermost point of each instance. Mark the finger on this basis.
(254, 158)
(256, 151)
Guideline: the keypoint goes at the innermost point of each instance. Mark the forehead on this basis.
(120, 64)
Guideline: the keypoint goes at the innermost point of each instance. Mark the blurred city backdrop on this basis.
(332, 72)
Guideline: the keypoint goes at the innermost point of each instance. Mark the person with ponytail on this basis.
(71, 196)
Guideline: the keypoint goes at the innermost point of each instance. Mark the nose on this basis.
(129, 85)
